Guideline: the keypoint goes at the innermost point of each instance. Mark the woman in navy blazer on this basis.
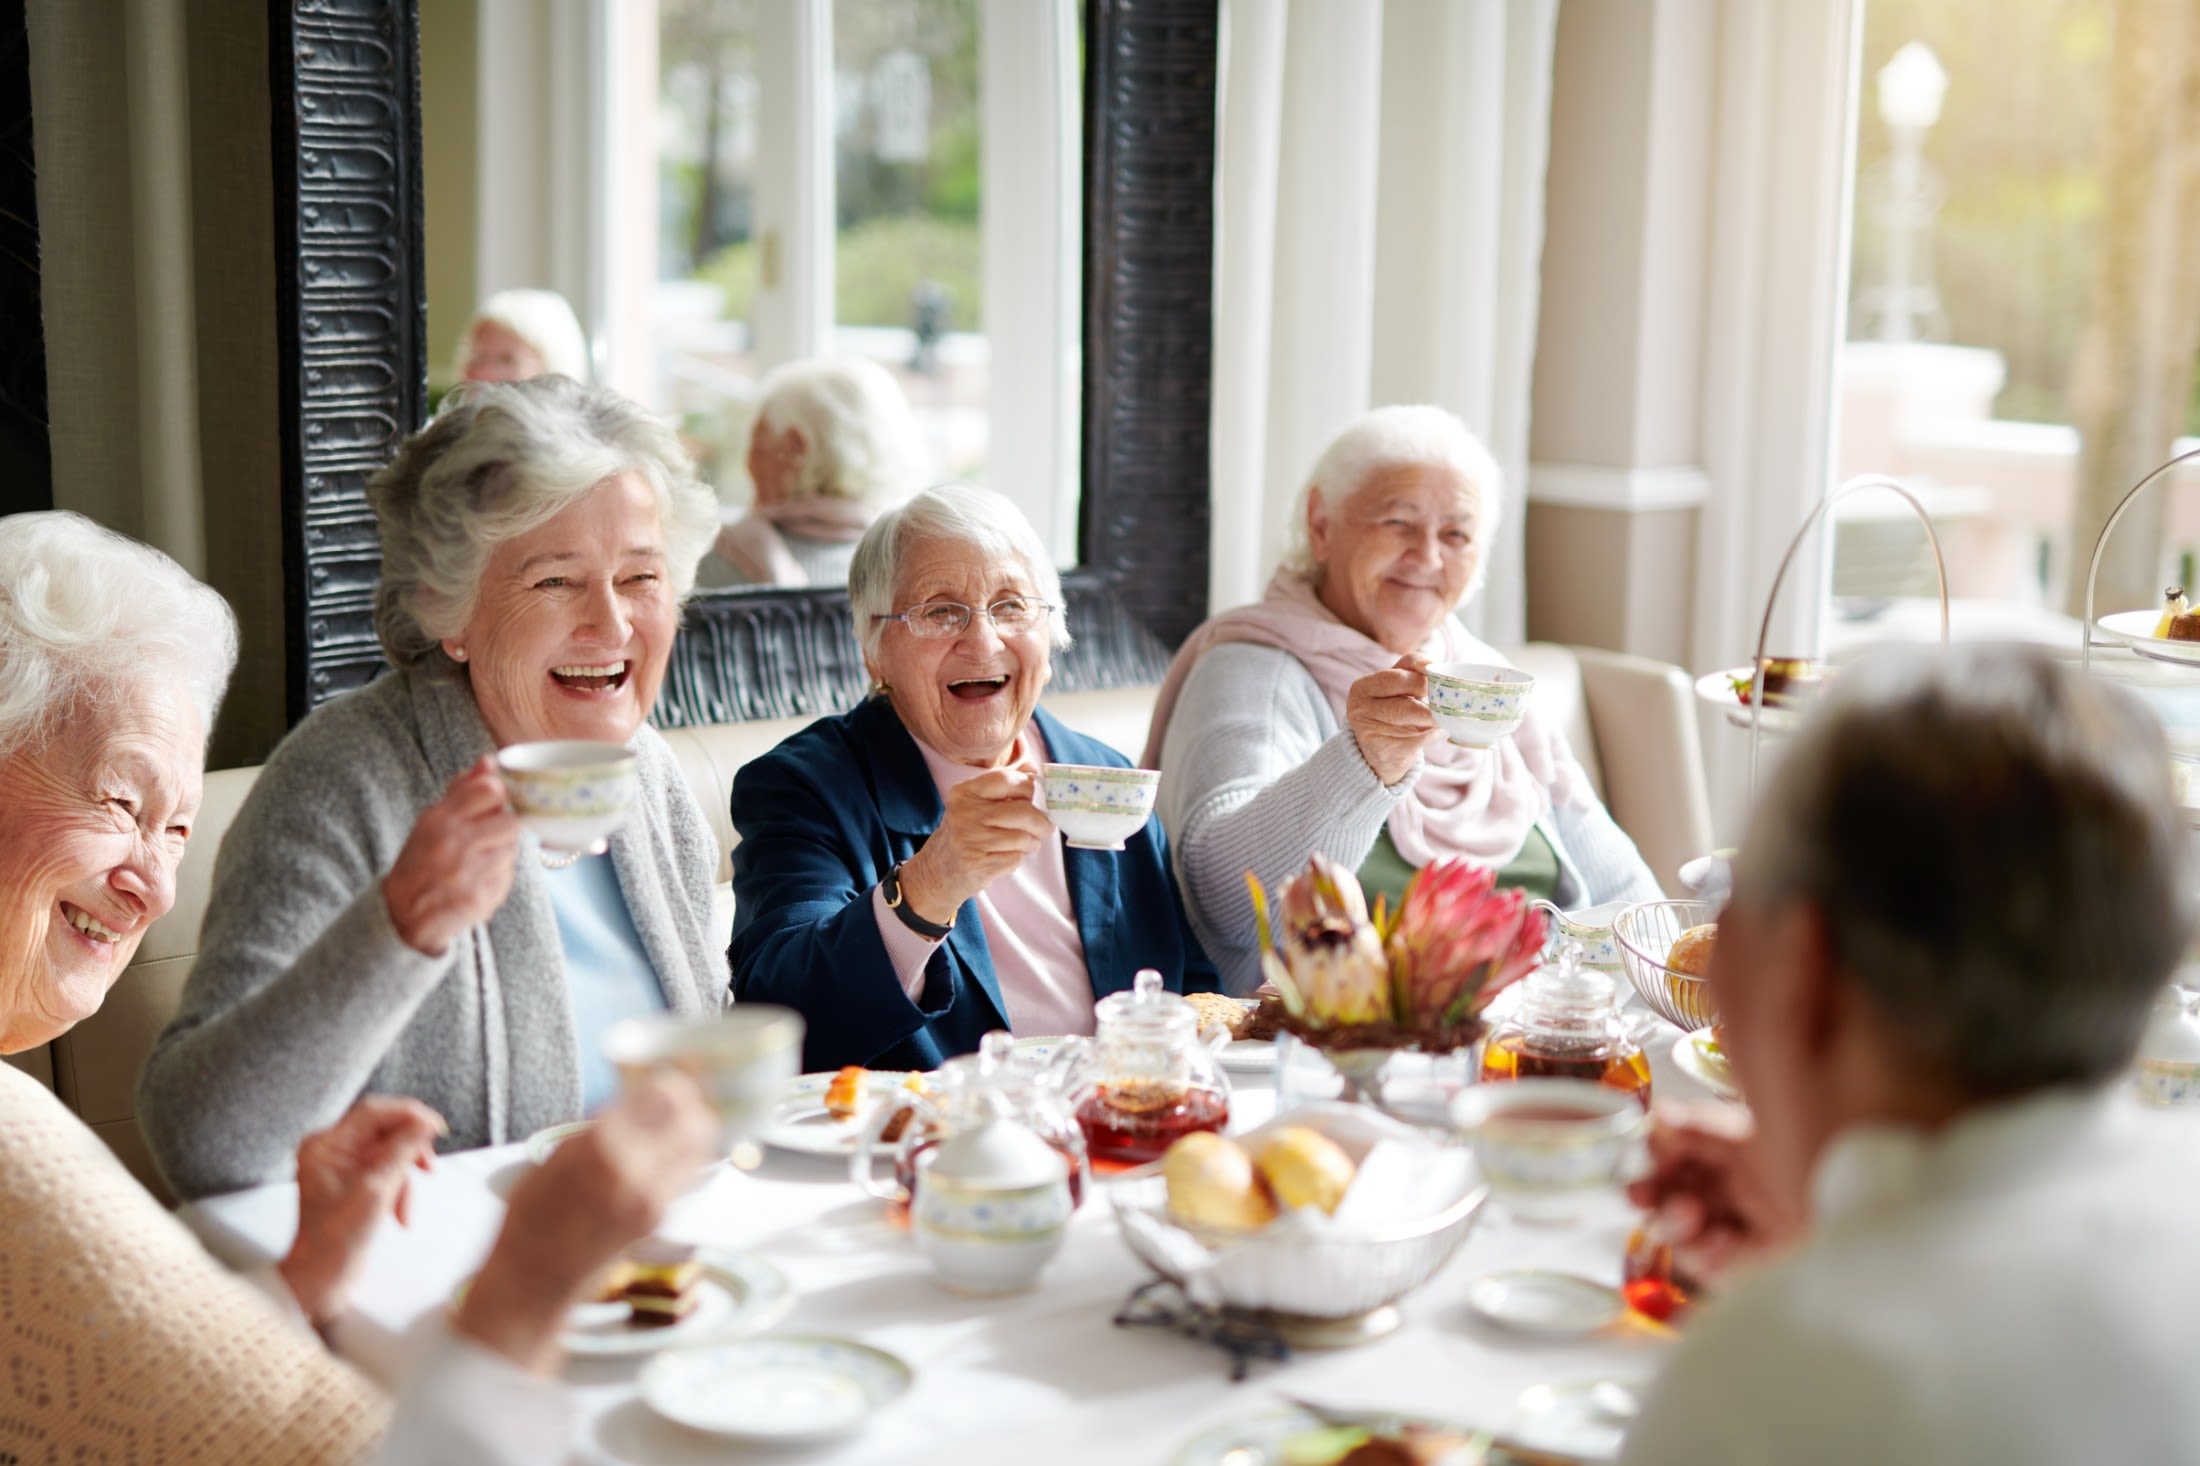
(896, 880)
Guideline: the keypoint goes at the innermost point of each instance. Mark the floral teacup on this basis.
(1590, 928)
(1098, 807)
(1478, 704)
(573, 794)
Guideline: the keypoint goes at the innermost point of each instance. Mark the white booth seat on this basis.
(1632, 723)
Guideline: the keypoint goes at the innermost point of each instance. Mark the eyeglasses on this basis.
(935, 620)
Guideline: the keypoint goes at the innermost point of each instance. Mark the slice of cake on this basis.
(662, 1281)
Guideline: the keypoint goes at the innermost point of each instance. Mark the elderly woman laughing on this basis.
(377, 919)
(1302, 723)
(124, 1339)
(896, 878)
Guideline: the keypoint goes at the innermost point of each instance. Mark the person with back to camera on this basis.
(1952, 1236)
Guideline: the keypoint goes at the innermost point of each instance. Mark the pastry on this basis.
(2174, 605)
(901, 1118)
(1212, 1184)
(1266, 1020)
(661, 1287)
(844, 1096)
(1691, 954)
(1219, 1014)
(2184, 627)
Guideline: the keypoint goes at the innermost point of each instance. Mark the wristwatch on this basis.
(890, 888)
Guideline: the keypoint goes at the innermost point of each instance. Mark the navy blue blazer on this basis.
(825, 815)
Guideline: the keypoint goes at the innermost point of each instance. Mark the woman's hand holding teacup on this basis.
(569, 1217)
(1389, 716)
(456, 867)
(993, 821)
(350, 1176)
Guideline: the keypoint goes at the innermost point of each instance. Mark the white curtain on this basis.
(1379, 224)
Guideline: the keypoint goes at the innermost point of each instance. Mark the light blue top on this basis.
(606, 969)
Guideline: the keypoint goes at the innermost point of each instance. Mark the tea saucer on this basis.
(1585, 1421)
(1545, 1304)
(787, 1387)
(739, 1293)
(1696, 1055)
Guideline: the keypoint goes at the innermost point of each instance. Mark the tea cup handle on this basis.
(863, 1160)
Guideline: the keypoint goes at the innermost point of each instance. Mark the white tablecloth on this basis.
(1040, 1376)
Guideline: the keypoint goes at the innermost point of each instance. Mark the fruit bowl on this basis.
(1645, 932)
(1318, 1281)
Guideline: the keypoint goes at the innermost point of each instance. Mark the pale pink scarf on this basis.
(753, 545)
(1478, 803)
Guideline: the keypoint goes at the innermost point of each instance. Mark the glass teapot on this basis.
(963, 1094)
(1568, 1025)
(1146, 1077)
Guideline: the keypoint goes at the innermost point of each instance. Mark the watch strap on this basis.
(890, 888)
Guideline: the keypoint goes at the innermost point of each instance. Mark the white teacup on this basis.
(1590, 928)
(572, 793)
(743, 1058)
(1551, 1149)
(1476, 703)
(1097, 807)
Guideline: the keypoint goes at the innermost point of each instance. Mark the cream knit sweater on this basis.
(123, 1342)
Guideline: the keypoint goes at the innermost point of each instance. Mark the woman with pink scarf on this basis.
(1301, 722)
(833, 447)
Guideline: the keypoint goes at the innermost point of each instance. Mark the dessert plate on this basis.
(1545, 1304)
(788, 1387)
(1293, 1435)
(739, 1293)
(1697, 1055)
(1717, 688)
(1584, 1421)
(799, 1121)
(2135, 629)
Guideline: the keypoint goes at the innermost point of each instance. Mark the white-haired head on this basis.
(543, 320)
(89, 617)
(860, 440)
(503, 458)
(961, 513)
(1384, 438)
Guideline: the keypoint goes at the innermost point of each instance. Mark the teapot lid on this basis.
(999, 1152)
(1147, 1006)
(1568, 987)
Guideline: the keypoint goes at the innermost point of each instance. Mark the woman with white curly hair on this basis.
(833, 445)
(120, 1331)
(1302, 722)
(378, 921)
(517, 334)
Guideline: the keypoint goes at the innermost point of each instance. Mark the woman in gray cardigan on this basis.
(379, 920)
(1301, 722)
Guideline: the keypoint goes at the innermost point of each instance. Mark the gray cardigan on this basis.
(304, 996)
(1257, 773)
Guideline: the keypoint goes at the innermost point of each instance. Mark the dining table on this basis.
(1042, 1375)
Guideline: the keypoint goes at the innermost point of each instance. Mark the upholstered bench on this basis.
(1632, 722)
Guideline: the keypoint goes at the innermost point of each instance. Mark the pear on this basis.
(1211, 1184)
(1304, 1168)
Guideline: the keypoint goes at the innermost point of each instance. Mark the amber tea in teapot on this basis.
(1146, 1079)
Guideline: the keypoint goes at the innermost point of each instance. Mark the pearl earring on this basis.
(458, 654)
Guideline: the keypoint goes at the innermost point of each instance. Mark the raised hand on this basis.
(992, 823)
(456, 867)
(1389, 716)
(350, 1176)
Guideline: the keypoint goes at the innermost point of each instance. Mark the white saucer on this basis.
(787, 1387)
(1711, 1072)
(1248, 1055)
(739, 1293)
(799, 1121)
(1545, 1304)
(1582, 1421)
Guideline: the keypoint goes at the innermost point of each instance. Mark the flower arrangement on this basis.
(1419, 978)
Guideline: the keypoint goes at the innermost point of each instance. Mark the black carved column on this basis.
(351, 311)
(1149, 278)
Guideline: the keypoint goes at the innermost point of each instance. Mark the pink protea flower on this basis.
(1458, 942)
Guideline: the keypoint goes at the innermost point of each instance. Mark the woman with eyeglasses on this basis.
(896, 879)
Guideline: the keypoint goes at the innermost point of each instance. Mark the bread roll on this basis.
(1691, 952)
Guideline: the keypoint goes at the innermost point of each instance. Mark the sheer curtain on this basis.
(1379, 222)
